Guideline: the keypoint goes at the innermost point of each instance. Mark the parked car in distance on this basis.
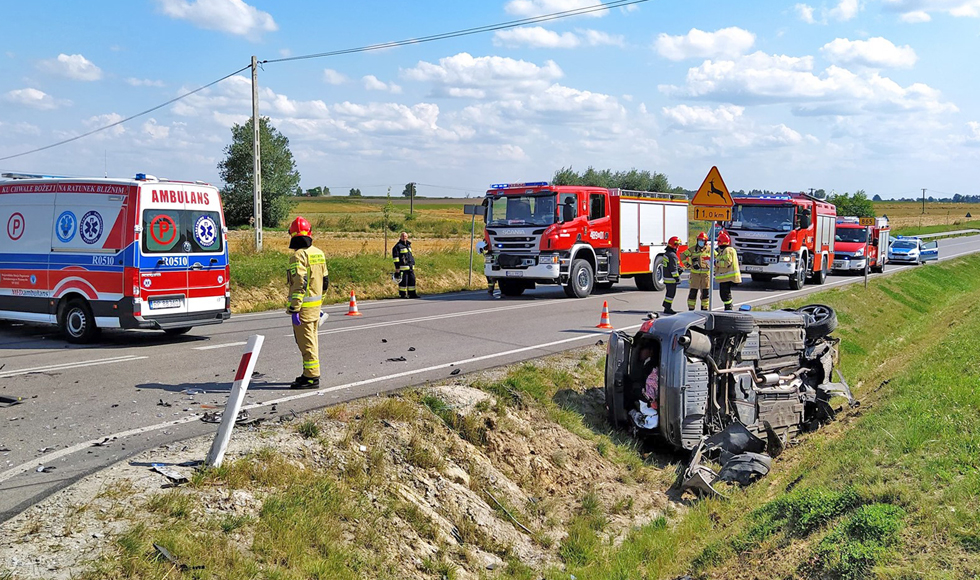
(912, 250)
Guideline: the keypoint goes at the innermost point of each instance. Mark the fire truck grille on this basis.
(757, 247)
(516, 244)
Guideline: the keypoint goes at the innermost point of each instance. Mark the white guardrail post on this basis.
(235, 400)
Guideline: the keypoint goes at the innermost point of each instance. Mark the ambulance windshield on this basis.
(523, 210)
(181, 231)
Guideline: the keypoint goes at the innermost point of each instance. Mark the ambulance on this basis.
(94, 253)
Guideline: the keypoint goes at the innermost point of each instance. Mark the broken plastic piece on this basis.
(455, 372)
(397, 359)
(6, 401)
(745, 468)
(174, 476)
(735, 439)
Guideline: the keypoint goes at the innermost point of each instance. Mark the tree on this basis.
(634, 180)
(409, 190)
(820, 194)
(354, 192)
(876, 198)
(853, 205)
(279, 175)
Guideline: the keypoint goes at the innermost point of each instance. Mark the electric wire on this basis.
(463, 32)
(430, 38)
(130, 118)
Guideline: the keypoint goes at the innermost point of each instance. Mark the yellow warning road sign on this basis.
(712, 213)
(713, 192)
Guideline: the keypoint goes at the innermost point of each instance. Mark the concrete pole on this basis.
(411, 200)
(923, 200)
(235, 399)
(256, 159)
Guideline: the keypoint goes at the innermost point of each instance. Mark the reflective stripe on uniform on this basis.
(670, 281)
(313, 364)
(725, 277)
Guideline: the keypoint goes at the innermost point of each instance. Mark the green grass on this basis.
(937, 229)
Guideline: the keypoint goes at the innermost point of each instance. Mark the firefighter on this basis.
(672, 273)
(726, 268)
(697, 258)
(307, 278)
(404, 267)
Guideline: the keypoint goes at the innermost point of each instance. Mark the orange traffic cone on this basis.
(352, 310)
(604, 319)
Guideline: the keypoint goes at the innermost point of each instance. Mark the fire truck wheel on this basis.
(511, 287)
(177, 331)
(821, 276)
(798, 278)
(580, 279)
(77, 322)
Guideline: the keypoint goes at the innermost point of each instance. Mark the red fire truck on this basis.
(579, 237)
(860, 248)
(788, 235)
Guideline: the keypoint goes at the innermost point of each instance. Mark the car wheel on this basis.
(77, 322)
(511, 287)
(732, 322)
(580, 279)
(821, 320)
(177, 331)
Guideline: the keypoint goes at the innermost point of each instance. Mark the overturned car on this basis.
(761, 375)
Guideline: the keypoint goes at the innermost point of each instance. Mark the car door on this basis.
(930, 251)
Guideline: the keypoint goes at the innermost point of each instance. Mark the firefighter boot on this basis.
(303, 382)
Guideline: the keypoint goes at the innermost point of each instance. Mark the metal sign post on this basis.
(472, 210)
(712, 202)
(711, 270)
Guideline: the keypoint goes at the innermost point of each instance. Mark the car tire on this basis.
(732, 322)
(511, 287)
(77, 322)
(821, 320)
(177, 331)
(581, 279)
(764, 278)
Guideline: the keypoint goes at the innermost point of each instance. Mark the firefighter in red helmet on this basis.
(672, 273)
(726, 269)
(697, 258)
(307, 279)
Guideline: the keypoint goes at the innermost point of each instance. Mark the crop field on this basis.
(907, 217)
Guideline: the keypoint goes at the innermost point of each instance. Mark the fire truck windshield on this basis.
(762, 217)
(851, 235)
(519, 210)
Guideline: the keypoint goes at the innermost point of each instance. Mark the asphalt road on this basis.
(144, 389)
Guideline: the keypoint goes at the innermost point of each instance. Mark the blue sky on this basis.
(879, 95)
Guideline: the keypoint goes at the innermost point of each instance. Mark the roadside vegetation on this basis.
(515, 474)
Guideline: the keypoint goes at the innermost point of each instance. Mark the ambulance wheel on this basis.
(177, 331)
(77, 322)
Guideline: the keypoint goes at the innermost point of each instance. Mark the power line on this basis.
(130, 118)
(464, 32)
(431, 38)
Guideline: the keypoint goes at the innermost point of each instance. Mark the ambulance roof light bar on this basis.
(30, 176)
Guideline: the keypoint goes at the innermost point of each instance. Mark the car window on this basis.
(930, 245)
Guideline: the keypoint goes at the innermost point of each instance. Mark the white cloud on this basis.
(874, 52)
(845, 10)
(333, 77)
(761, 78)
(372, 83)
(724, 43)
(697, 118)
(155, 131)
(535, 37)
(915, 17)
(539, 7)
(97, 121)
(464, 75)
(74, 66)
(805, 12)
(538, 37)
(920, 10)
(135, 82)
(34, 98)
(231, 16)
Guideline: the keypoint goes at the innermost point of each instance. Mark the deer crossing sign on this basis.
(712, 201)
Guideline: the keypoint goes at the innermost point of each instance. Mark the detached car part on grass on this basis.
(700, 381)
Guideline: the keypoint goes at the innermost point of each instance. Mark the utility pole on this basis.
(411, 200)
(256, 159)
(923, 200)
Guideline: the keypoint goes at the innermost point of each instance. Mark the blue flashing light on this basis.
(779, 197)
(509, 185)
(140, 177)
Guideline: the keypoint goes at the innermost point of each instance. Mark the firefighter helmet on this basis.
(673, 242)
(300, 227)
(703, 236)
(724, 239)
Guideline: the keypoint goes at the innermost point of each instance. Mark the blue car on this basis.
(910, 250)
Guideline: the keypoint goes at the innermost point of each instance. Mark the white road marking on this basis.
(73, 365)
(46, 459)
(214, 346)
